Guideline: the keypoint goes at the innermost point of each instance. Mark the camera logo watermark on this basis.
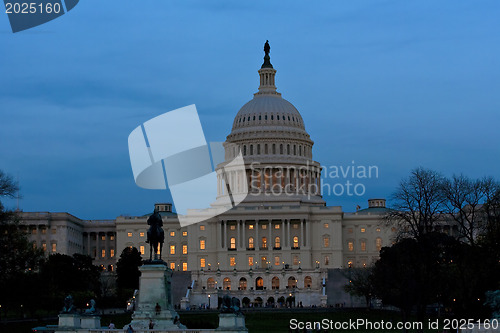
(171, 151)
(26, 14)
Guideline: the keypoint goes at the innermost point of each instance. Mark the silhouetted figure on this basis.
(156, 236)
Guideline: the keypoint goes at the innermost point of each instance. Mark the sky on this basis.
(391, 84)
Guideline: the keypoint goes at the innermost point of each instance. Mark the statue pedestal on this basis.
(154, 288)
(69, 321)
(90, 321)
(231, 323)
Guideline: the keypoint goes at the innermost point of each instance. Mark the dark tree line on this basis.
(428, 267)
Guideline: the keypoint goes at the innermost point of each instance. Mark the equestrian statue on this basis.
(156, 235)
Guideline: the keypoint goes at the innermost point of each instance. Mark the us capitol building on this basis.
(281, 246)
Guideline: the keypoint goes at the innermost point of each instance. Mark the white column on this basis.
(269, 240)
(288, 232)
(238, 238)
(308, 233)
(301, 232)
(256, 241)
(283, 222)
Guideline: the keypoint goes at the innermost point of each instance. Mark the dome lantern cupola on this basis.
(267, 74)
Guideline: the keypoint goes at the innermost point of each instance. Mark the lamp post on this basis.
(208, 301)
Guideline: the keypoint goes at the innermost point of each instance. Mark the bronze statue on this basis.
(156, 235)
(230, 305)
(267, 48)
(267, 58)
(68, 305)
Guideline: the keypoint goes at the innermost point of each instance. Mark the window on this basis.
(363, 245)
(296, 241)
(259, 283)
(184, 249)
(326, 225)
(129, 234)
(349, 230)
(263, 262)
(308, 281)
(54, 247)
(34, 245)
(250, 243)
(226, 283)
(378, 229)
(210, 283)
(184, 233)
(53, 231)
(243, 284)
(202, 227)
(264, 243)
(44, 247)
(295, 226)
(103, 237)
(250, 261)
(363, 230)
(276, 226)
(232, 261)
(112, 253)
(141, 249)
(33, 231)
(172, 265)
(277, 242)
(44, 231)
(350, 246)
(112, 237)
(292, 283)
(326, 260)
(172, 249)
(295, 260)
(275, 283)
(232, 243)
(276, 261)
(264, 226)
(202, 244)
(378, 244)
(172, 233)
(141, 234)
(232, 227)
(326, 241)
(184, 266)
(202, 262)
(250, 227)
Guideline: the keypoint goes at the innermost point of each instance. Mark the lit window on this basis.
(378, 229)
(172, 233)
(129, 234)
(44, 246)
(232, 261)
(276, 261)
(250, 227)
(184, 266)
(326, 241)
(277, 242)
(184, 233)
(53, 230)
(33, 231)
(202, 262)
(184, 249)
(172, 265)
(295, 260)
(103, 237)
(202, 227)
(103, 253)
(250, 261)
(295, 226)
(202, 244)
(34, 245)
(141, 249)
(232, 243)
(276, 226)
(112, 253)
(232, 227)
(264, 226)
(378, 243)
(141, 234)
(295, 241)
(350, 246)
(326, 260)
(363, 230)
(349, 230)
(172, 249)
(54, 247)
(264, 242)
(326, 225)
(44, 231)
(112, 237)
(250, 243)
(363, 245)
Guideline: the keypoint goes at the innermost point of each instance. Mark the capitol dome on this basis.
(269, 133)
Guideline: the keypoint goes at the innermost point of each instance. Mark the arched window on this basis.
(296, 241)
(250, 243)
(251, 149)
(244, 150)
(265, 149)
(227, 284)
(243, 284)
(258, 149)
(295, 149)
(300, 150)
(275, 283)
(210, 283)
(281, 149)
(288, 149)
(232, 243)
(274, 148)
(264, 243)
(259, 283)
(277, 243)
(307, 282)
(326, 241)
(292, 282)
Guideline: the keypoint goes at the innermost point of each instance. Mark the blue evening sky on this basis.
(395, 84)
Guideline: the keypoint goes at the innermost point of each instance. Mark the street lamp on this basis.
(209, 301)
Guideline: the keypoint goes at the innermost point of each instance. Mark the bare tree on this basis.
(418, 203)
(464, 203)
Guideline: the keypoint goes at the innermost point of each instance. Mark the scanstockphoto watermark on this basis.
(310, 179)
